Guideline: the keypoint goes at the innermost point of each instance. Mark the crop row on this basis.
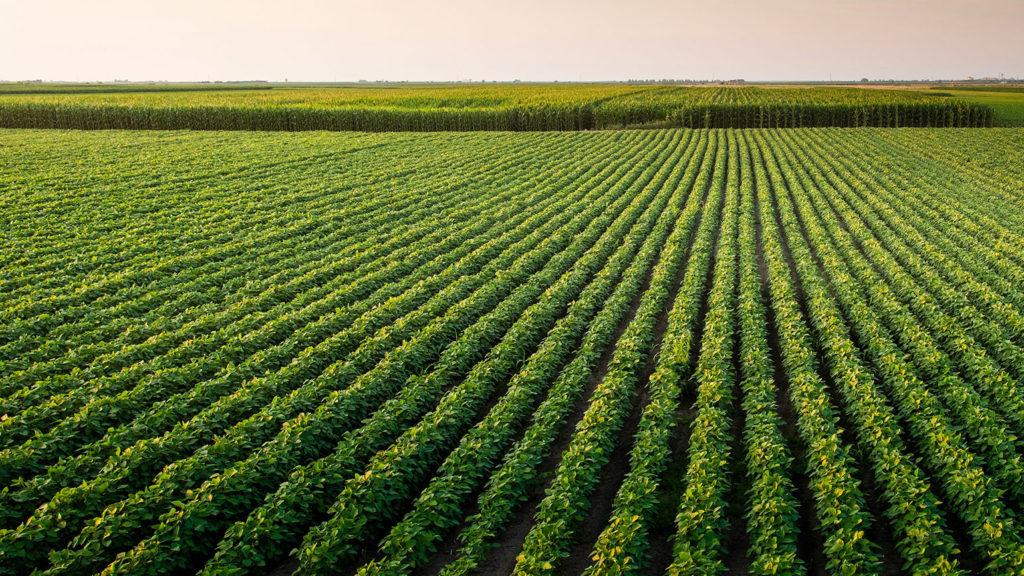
(504, 108)
(128, 468)
(666, 351)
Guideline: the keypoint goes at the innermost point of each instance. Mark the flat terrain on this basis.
(660, 351)
(1006, 102)
(465, 107)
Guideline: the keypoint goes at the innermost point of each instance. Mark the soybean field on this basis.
(648, 352)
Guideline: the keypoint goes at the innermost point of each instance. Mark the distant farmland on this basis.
(1006, 102)
(630, 351)
(504, 107)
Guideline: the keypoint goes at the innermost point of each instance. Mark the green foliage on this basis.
(221, 352)
(486, 107)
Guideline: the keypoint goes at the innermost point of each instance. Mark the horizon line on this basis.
(985, 79)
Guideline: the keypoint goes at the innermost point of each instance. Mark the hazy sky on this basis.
(524, 39)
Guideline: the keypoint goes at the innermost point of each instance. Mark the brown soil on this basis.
(672, 481)
(880, 532)
(501, 559)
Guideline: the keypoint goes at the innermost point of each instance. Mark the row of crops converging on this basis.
(651, 352)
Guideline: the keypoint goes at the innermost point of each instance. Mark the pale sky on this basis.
(569, 40)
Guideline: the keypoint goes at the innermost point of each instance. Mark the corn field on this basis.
(496, 108)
